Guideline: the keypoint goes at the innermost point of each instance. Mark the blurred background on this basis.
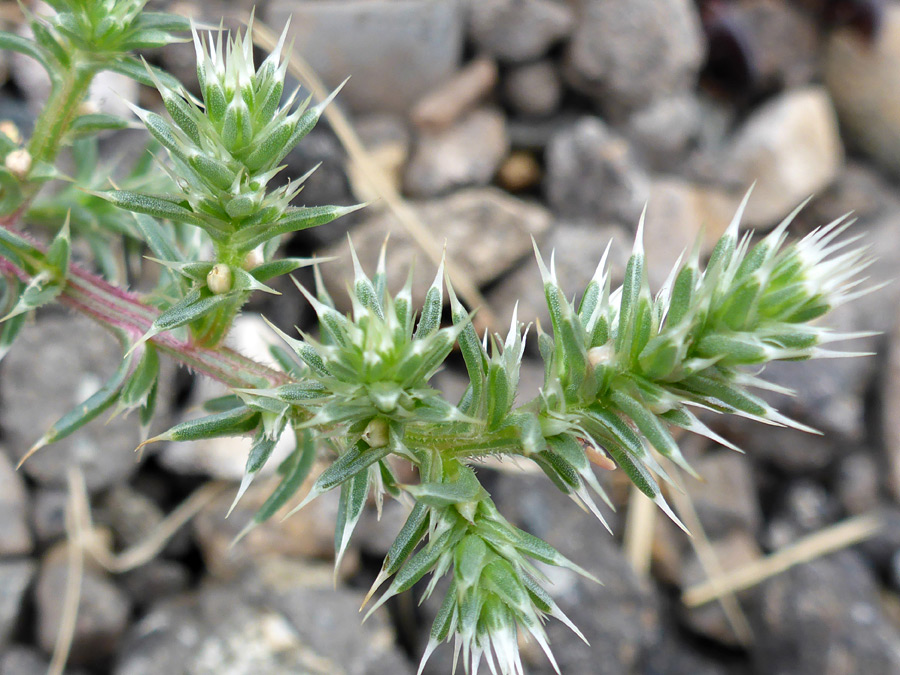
(483, 123)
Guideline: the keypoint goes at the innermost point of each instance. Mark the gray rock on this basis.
(625, 56)
(777, 41)
(465, 154)
(859, 188)
(103, 611)
(387, 140)
(270, 629)
(578, 247)
(130, 514)
(48, 514)
(879, 549)
(534, 135)
(534, 89)
(15, 537)
(888, 405)
(862, 77)
(308, 533)
(674, 655)
(394, 52)
(64, 359)
(592, 175)
(20, 660)
(158, 579)
(374, 535)
(457, 96)
(619, 619)
(803, 507)
(824, 617)
(518, 30)
(791, 148)
(15, 576)
(667, 129)
(789, 450)
(216, 631)
(500, 225)
(335, 632)
(726, 498)
(857, 482)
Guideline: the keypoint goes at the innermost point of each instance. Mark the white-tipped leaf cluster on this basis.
(622, 367)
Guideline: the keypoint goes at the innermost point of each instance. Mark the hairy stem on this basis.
(123, 313)
(60, 110)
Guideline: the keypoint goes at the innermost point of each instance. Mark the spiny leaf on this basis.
(84, 412)
(294, 470)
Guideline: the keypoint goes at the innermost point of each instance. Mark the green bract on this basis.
(621, 367)
(224, 153)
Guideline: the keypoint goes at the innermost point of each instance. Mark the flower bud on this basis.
(219, 279)
(18, 163)
(376, 433)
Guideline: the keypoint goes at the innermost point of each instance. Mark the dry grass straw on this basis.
(84, 539)
(828, 540)
(710, 563)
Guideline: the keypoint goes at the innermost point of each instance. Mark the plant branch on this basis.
(123, 313)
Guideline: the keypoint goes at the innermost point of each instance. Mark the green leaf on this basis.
(85, 125)
(157, 207)
(276, 268)
(59, 252)
(430, 320)
(218, 175)
(499, 395)
(195, 305)
(683, 290)
(408, 538)
(136, 70)
(162, 21)
(460, 490)
(294, 220)
(47, 40)
(233, 422)
(469, 560)
(157, 237)
(16, 43)
(350, 507)
(294, 470)
(650, 425)
(419, 564)
(443, 621)
(142, 381)
(84, 412)
(8, 333)
(40, 290)
(352, 462)
(260, 452)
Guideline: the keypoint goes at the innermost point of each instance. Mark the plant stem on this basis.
(60, 110)
(122, 313)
